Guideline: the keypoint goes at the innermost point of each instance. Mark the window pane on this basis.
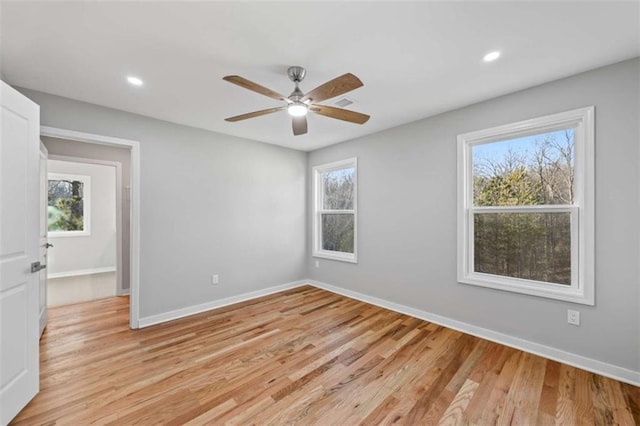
(338, 232)
(534, 246)
(338, 189)
(65, 208)
(532, 170)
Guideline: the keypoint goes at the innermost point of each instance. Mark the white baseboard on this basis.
(589, 364)
(196, 309)
(76, 273)
(80, 288)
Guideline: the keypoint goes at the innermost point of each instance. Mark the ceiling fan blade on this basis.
(340, 114)
(299, 125)
(255, 114)
(336, 87)
(255, 87)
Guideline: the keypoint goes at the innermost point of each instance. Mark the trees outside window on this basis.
(526, 207)
(334, 235)
(68, 204)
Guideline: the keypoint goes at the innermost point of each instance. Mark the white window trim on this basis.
(582, 289)
(318, 211)
(86, 205)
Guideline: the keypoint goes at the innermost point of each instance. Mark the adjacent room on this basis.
(320, 212)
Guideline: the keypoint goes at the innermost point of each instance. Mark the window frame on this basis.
(318, 210)
(582, 228)
(86, 205)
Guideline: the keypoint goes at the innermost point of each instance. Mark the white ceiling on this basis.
(416, 59)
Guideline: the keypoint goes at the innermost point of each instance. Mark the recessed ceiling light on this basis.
(491, 56)
(135, 81)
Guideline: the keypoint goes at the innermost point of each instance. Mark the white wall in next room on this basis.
(83, 267)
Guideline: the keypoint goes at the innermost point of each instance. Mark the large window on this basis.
(525, 207)
(335, 218)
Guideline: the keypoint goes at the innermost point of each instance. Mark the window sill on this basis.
(333, 255)
(532, 288)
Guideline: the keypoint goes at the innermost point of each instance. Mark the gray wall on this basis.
(407, 219)
(210, 203)
(105, 153)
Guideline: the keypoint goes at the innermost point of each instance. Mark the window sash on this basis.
(505, 280)
(321, 233)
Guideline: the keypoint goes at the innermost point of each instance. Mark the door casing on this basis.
(134, 240)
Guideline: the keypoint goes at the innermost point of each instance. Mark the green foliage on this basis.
(514, 188)
(534, 246)
(65, 205)
(69, 215)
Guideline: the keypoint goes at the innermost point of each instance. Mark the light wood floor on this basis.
(303, 356)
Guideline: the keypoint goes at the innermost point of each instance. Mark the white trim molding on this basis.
(214, 304)
(599, 367)
(134, 241)
(78, 272)
(581, 288)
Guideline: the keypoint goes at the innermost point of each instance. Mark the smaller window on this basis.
(69, 203)
(335, 218)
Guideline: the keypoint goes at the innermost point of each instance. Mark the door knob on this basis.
(48, 245)
(37, 267)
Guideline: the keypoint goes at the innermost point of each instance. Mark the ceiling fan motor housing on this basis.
(296, 73)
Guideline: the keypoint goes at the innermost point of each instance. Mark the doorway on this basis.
(84, 219)
(77, 146)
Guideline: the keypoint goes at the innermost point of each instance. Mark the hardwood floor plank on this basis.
(302, 356)
(549, 394)
(455, 413)
(494, 407)
(565, 407)
(486, 374)
(632, 400)
(584, 409)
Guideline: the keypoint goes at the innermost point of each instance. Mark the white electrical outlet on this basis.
(573, 317)
(215, 279)
(317, 263)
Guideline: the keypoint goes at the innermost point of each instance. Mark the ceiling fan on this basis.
(299, 103)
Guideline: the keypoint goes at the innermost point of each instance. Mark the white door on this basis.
(44, 242)
(19, 229)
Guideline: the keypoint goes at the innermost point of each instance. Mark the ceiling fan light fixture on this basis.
(297, 109)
